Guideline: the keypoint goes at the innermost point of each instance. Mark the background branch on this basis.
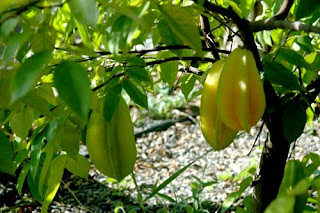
(271, 24)
(160, 48)
(205, 28)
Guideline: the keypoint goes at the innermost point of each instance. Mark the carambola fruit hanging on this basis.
(233, 98)
(217, 134)
(240, 98)
(111, 144)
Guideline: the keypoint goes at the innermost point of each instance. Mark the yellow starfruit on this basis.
(111, 144)
(216, 133)
(240, 98)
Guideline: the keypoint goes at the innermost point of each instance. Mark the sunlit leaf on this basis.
(22, 177)
(169, 70)
(281, 205)
(21, 121)
(182, 25)
(85, 11)
(28, 74)
(54, 179)
(79, 166)
(187, 84)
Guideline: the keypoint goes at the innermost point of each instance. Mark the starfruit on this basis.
(240, 98)
(217, 134)
(111, 144)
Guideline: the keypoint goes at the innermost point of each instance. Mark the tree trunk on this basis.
(273, 159)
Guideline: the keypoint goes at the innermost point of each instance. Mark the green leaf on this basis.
(306, 8)
(28, 74)
(267, 37)
(182, 25)
(139, 73)
(69, 140)
(169, 70)
(6, 155)
(73, 85)
(168, 36)
(187, 84)
(44, 39)
(292, 57)
(311, 162)
(33, 185)
(85, 11)
(54, 179)
(235, 7)
(36, 146)
(84, 34)
(34, 101)
(294, 119)
(111, 101)
(22, 177)
(136, 92)
(7, 27)
(172, 177)
(21, 121)
(305, 43)
(292, 174)
(281, 205)
(119, 35)
(48, 153)
(246, 7)
(14, 43)
(278, 74)
(232, 197)
(79, 166)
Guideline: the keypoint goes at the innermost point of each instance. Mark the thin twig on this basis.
(138, 191)
(181, 58)
(75, 197)
(258, 135)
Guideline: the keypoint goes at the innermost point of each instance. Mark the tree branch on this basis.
(177, 59)
(270, 24)
(243, 25)
(205, 28)
(159, 48)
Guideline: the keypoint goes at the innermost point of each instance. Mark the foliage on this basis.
(55, 54)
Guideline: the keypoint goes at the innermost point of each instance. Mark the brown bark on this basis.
(273, 158)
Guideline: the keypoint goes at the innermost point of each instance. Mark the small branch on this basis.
(207, 33)
(105, 83)
(177, 59)
(243, 25)
(160, 48)
(271, 24)
(192, 70)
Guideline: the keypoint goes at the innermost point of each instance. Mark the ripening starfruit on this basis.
(240, 99)
(217, 134)
(111, 144)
